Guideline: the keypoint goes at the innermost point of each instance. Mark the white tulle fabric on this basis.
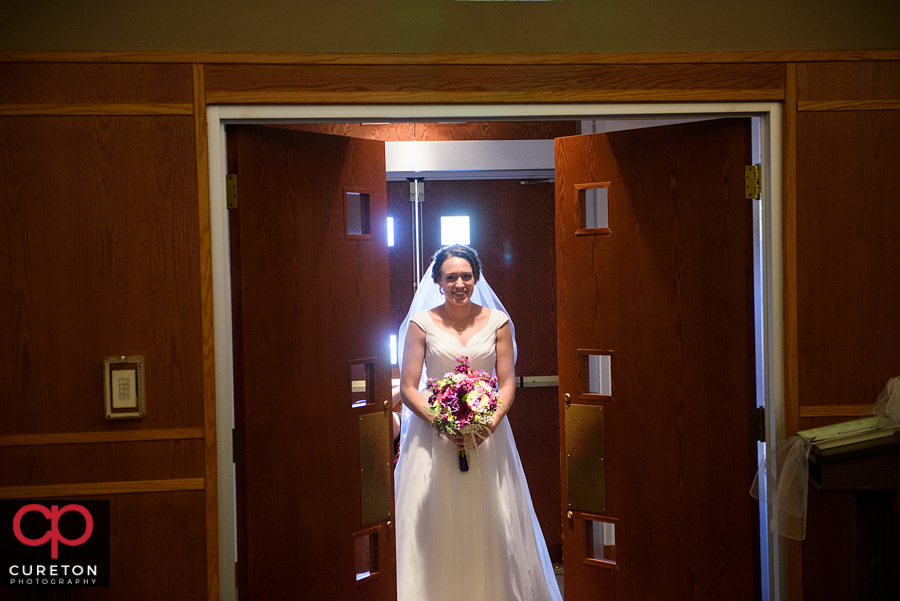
(785, 470)
(888, 403)
(473, 535)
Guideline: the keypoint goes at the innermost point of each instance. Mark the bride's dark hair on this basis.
(455, 250)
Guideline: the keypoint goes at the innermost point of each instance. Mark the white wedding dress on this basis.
(466, 536)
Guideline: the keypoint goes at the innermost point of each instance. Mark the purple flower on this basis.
(449, 403)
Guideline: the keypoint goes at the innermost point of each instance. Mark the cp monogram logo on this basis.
(53, 534)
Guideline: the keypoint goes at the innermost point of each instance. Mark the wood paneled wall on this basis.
(848, 213)
(105, 246)
(100, 211)
(97, 85)
(848, 261)
(100, 246)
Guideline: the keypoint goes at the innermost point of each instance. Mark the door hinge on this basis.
(231, 194)
(752, 186)
(758, 424)
(237, 446)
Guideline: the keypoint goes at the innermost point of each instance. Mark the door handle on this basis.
(387, 407)
(568, 399)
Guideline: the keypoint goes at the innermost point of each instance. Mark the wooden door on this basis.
(312, 366)
(656, 355)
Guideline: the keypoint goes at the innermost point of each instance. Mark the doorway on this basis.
(768, 301)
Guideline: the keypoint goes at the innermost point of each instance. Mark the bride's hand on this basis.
(458, 440)
(491, 428)
(495, 422)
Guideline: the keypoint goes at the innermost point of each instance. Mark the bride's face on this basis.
(457, 280)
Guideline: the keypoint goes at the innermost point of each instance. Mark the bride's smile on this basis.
(457, 280)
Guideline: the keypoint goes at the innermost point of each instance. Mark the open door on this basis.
(309, 269)
(656, 364)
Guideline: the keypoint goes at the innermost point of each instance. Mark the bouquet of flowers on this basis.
(462, 402)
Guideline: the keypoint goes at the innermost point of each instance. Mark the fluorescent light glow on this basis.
(455, 230)
(390, 229)
(393, 349)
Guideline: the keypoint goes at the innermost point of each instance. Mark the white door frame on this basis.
(773, 547)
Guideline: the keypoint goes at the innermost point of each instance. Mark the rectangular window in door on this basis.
(600, 539)
(357, 219)
(362, 382)
(596, 369)
(593, 209)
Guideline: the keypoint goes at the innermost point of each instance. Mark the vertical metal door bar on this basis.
(416, 197)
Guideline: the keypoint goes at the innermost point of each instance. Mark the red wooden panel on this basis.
(876, 80)
(157, 548)
(95, 83)
(100, 247)
(103, 462)
(569, 78)
(848, 255)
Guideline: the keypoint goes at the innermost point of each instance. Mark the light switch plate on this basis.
(124, 386)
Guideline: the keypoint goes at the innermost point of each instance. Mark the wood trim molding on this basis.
(96, 109)
(210, 447)
(34, 440)
(789, 261)
(848, 105)
(513, 58)
(100, 488)
(499, 97)
(855, 411)
(789, 236)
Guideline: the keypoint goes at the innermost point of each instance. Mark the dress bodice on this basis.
(442, 348)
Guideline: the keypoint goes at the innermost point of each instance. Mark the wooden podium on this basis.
(863, 458)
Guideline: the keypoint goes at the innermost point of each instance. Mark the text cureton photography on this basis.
(54, 543)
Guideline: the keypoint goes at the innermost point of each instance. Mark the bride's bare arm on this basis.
(411, 371)
(506, 373)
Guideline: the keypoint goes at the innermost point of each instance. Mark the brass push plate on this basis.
(375, 464)
(585, 459)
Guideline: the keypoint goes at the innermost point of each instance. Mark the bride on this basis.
(463, 535)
